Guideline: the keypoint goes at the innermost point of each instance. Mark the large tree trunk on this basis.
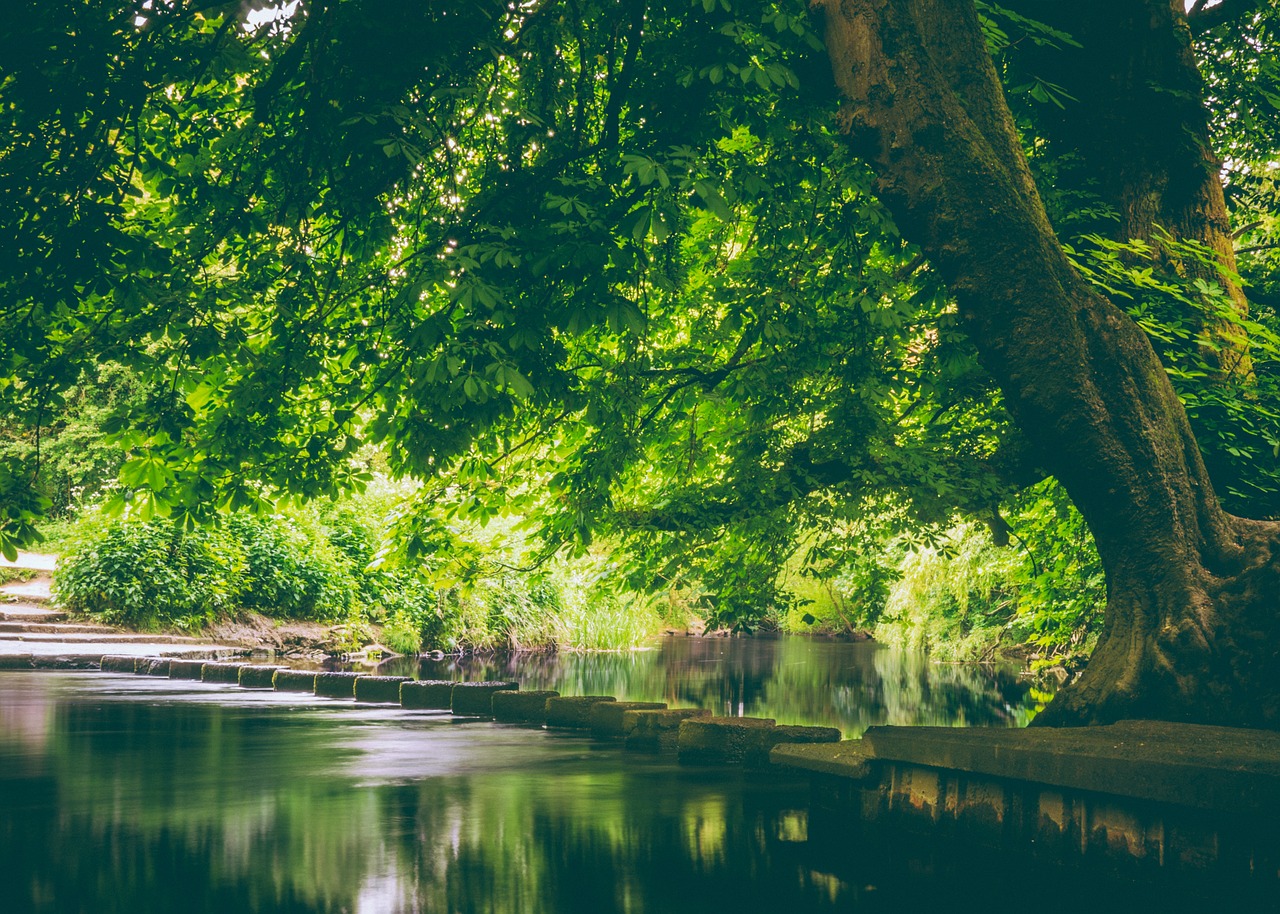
(1137, 121)
(1191, 630)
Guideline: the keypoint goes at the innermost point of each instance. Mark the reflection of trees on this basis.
(794, 680)
(188, 806)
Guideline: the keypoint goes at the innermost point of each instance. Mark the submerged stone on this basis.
(722, 740)
(380, 688)
(573, 711)
(221, 672)
(186, 669)
(476, 698)
(650, 731)
(294, 681)
(427, 694)
(336, 685)
(257, 677)
(115, 663)
(607, 719)
(522, 707)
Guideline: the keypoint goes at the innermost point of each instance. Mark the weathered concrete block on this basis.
(294, 681)
(721, 740)
(16, 662)
(380, 688)
(522, 707)
(157, 666)
(651, 731)
(336, 685)
(573, 711)
(116, 663)
(221, 672)
(789, 733)
(427, 694)
(477, 697)
(606, 717)
(186, 669)
(258, 677)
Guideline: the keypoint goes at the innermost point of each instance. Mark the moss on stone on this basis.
(384, 689)
(651, 731)
(257, 677)
(336, 685)
(427, 694)
(476, 698)
(607, 719)
(221, 672)
(722, 740)
(294, 681)
(522, 707)
(186, 669)
(574, 711)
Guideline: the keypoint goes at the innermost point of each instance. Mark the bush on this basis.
(149, 574)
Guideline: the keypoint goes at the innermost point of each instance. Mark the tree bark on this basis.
(1191, 630)
(1138, 123)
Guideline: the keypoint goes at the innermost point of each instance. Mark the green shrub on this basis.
(289, 573)
(149, 574)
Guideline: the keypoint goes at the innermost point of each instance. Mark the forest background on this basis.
(641, 375)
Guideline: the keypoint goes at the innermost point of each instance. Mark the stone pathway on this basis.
(36, 634)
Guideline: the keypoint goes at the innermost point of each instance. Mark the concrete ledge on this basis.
(258, 677)
(721, 740)
(476, 698)
(758, 756)
(427, 695)
(522, 707)
(186, 669)
(573, 712)
(385, 689)
(221, 672)
(294, 681)
(118, 663)
(607, 719)
(653, 731)
(1219, 768)
(336, 685)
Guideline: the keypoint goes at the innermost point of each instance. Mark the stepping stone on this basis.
(153, 666)
(573, 712)
(221, 672)
(186, 669)
(654, 731)
(118, 664)
(259, 677)
(16, 662)
(427, 694)
(758, 757)
(294, 681)
(607, 718)
(721, 740)
(380, 688)
(522, 707)
(476, 698)
(336, 685)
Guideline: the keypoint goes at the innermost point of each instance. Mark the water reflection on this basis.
(144, 796)
(794, 680)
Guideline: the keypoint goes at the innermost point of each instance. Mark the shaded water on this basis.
(123, 793)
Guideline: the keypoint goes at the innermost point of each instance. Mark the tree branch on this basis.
(1204, 18)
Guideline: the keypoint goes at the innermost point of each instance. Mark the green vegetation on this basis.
(640, 324)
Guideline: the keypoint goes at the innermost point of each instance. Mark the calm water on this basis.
(130, 794)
